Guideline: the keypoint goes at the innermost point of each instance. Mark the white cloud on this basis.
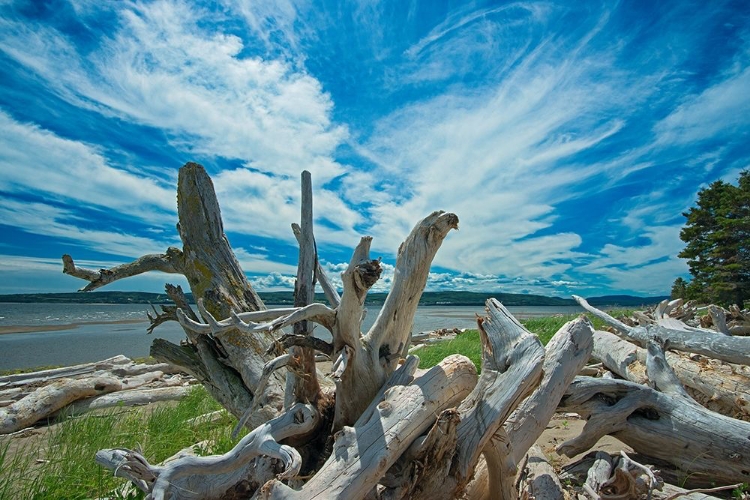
(648, 268)
(16, 263)
(34, 160)
(52, 221)
(258, 263)
(723, 108)
(265, 18)
(265, 205)
(504, 155)
(273, 282)
(166, 67)
(163, 69)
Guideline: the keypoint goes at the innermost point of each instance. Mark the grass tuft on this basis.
(467, 343)
(61, 465)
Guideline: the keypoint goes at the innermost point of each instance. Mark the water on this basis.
(82, 333)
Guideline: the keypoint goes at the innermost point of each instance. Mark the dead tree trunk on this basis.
(393, 432)
(230, 367)
(704, 444)
(388, 431)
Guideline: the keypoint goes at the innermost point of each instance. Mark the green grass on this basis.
(62, 464)
(469, 344)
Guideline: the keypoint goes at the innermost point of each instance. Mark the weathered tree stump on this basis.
(383, 429)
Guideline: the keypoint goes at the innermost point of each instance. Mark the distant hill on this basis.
(625, 300)
(89, 298)
(286, 298)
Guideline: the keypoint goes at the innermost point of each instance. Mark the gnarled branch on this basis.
(169, 262)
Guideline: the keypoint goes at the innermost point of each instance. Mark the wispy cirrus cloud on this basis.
(501, 155)
(161, 69)
(567, 137)
(53, 221)
(34, 160)
(722, 110)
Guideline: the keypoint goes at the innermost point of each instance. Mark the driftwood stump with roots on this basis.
(387, 429)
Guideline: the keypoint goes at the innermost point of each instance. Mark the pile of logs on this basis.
(689, 315)
(643, 397)
(376, 427)
(28, 398)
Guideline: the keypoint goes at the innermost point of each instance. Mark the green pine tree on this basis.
(717, 234)
(679, 289)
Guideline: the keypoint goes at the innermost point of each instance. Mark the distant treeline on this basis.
(285, 298)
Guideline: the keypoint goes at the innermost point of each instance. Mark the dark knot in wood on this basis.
(368, 273)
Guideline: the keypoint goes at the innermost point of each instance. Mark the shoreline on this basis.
(9, 329)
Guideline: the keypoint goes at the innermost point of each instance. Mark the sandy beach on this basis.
(5, 329)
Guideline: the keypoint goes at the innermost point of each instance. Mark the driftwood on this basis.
(596, 468)
(662, 420)
(44, 376)
(391, 432)
(115, 381)
(727, 348)
(51, 398)
(129, 398)
(539, 478)
(725, 384)
(386, 430)
(706, 445)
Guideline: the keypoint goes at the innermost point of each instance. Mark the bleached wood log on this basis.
(724, 347)
(280, 318)
(211, 417)
(565, 354)
(136, 369)
(598, 474)
(577, 473)
(301, 379)
(671, 492)
(215, 277)
(363, 453)
(620, 356)
(14, 393)
(51, 398)
(332, 295)
(669, 427)
(660, 375)
(620, 477)
(43, 376)
(727, 384)
(719, 319)
(511, 370)
(138, 397)
(540, 480)
(375, 355)
(392, 327)
(169, 313)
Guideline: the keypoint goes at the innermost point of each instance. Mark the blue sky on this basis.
(568, 137)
